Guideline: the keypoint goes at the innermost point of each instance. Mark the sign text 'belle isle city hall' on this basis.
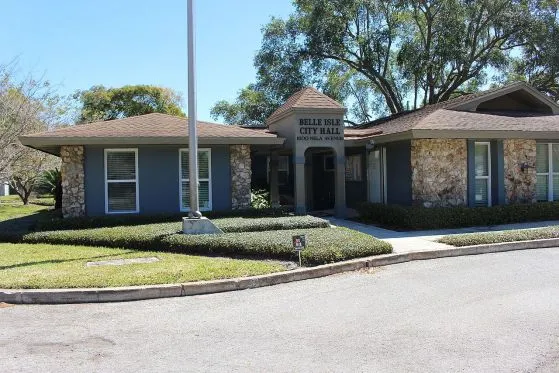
(319, 129)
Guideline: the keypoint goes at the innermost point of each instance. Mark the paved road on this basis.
(490, 313)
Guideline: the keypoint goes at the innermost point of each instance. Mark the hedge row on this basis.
(58, 223)
(325, 245)
(417, 218)
(469, 239)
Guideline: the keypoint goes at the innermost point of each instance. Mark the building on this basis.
(495, 147)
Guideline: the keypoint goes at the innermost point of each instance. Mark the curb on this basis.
(132, 293)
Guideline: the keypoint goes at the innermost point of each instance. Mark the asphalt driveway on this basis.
(487, 313)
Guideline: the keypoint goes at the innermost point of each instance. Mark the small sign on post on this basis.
(299, 243)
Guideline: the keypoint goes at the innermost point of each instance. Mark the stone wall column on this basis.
(73, 187)
(241, 175)
(520, 170)
(439, 172)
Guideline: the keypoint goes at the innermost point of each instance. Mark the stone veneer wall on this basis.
(73, 189)
(520, 185)
(241, 174)
(439, 172)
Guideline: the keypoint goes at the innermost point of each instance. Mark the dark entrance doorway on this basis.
(321, 178)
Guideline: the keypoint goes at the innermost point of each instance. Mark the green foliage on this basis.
(100, 103)
(260, 199)
(383, 57)
(62, 266)
(58, 223)
(539, 61)
(501, 236)
(50, 182)
(281, 71)
(325, 245)
(418, 218)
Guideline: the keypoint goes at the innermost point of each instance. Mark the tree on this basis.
(539, 61)
(27, 170)
(381, 55)
(280, 73)
(100, 103)
(27, 105)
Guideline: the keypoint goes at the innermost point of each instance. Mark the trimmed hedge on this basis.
(418, 218)
(58, 223)
(469, 239)
(232, 225)
(325, 245)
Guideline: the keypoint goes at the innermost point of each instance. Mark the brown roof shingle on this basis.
(307, 98)
(151, 125)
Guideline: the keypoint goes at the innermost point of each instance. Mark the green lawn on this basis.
(40, 266)
(49, 252)
(469, 239)
(11, 207)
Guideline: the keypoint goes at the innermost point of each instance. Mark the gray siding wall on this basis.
(398, 173)
(158, 172)
(356, 191)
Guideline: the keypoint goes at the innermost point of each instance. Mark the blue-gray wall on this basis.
(158, 171)
(398, 173)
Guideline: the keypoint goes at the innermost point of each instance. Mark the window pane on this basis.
(203, 194)
(121, 165)
(481, 192)
(556, 187)
(542, 163)
(555, 158)
(203, 165)
(481, 160)
(541, 188)
(122, 197)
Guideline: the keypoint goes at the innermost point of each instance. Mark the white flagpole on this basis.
(192, 119)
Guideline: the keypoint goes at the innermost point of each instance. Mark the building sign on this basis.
(320, 129)
(299, 242)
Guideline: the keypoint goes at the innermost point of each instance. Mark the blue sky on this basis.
(80, 43)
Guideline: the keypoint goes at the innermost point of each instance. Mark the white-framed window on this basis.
(121, 181)
(204, 180)
(283, 169)
(482, 171)
(547, 172)
(353, 168)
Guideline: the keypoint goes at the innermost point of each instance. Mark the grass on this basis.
(469, 239)
(11, 207)
(325, 245)
(251, 243)
(25, 266)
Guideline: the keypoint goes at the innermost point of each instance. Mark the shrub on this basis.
(416, 218)
(501, 236)
(325, 245)
(58, 223)
(260, 199)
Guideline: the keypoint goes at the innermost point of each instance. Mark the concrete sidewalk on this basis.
(413, 241)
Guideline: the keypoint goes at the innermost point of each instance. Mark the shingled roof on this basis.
(448, 115)
(306, 98)
(150, 129)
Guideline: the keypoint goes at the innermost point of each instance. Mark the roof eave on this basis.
(38, 142)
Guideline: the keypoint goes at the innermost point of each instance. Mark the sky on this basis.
(76, 44)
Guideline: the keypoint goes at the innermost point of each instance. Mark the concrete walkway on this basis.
(412, 241)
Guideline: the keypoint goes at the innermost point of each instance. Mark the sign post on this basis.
(299, 243)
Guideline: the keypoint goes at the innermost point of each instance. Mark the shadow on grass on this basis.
(58, 261)
(11, 230)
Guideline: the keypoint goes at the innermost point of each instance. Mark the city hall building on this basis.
(489, 148)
